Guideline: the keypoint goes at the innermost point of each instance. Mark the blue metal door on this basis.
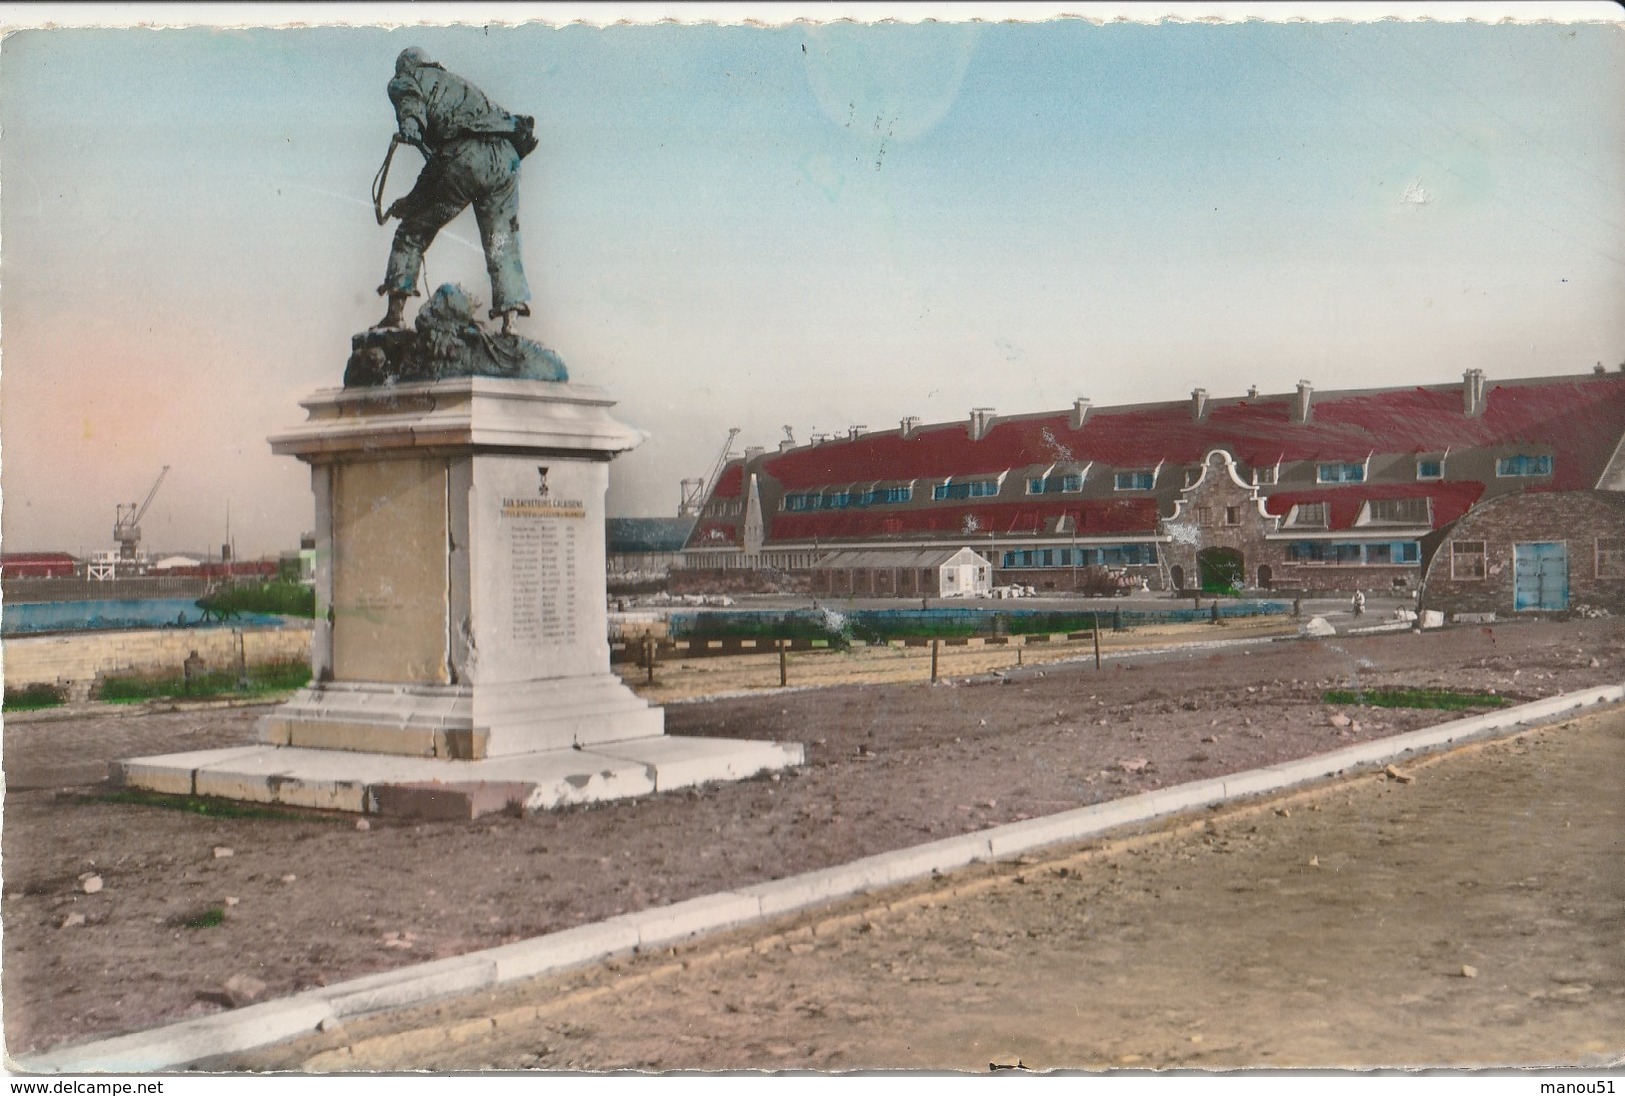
(1540, 576)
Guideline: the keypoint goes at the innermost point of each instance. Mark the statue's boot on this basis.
(509, 315)
(395, 317)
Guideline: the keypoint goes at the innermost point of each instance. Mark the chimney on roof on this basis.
(1252, 392)
(753, 451)
(786, 444)
(852, 432)
(1198, 404)
(1472, 393)
(1303, 406)
(908, 425)
(1080, 411)
(1599, 370)
(981, 421)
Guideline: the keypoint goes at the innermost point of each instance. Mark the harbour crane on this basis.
(696, 491)
(127, 520)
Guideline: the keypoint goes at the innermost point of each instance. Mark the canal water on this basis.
(869, 625)
(32, 617)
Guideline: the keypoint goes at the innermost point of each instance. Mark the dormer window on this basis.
(968, 489)
(1135, 481)
(1055, 484)
(1430, 468)
(876, 495)
(1398, 512)
(1308, 515)
(1340, 472)
(1524, 464)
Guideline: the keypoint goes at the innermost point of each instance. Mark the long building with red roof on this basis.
(1303, 490)
(37, 565)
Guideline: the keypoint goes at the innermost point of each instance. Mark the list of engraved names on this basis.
(541, 541)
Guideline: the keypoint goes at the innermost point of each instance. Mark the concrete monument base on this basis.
(463, 722)
(391, 785)
(460, 658)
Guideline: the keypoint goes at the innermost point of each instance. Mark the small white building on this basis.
(903, 572)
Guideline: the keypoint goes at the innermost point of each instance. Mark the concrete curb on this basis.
(173, 1046)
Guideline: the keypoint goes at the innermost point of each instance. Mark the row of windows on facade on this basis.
(784, 561)
(1114, 555)
(1427, 468)
(1070, 483)
(1363, 553)
(1333, 472)
(1360, 553)
(1469, 559)
(1313, 515)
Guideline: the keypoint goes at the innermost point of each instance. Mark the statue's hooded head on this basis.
(412, 58)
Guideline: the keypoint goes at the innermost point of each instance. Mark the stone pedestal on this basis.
(461, 641)
(460, 572)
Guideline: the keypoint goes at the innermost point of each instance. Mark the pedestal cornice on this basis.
(469, 413)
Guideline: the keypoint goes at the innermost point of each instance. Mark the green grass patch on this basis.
(275, 677)
(1443, 699)
(192, 804)
(33, 698)
(279, 598)
(208, 919)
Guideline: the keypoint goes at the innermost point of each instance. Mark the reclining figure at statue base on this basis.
(446, 341)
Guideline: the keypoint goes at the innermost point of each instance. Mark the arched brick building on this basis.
(1535, 553)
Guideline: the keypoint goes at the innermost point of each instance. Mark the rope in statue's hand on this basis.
(380, 179)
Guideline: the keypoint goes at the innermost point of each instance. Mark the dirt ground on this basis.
(1467, 917)
(306, 899)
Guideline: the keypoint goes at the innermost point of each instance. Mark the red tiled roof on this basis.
(35, 557)
(1580, 418)
(731, 481)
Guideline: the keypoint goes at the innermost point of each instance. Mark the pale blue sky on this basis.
(733, 226)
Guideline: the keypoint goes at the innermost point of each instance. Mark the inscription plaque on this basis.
(542, 577)
(534, 605)
(541, 536)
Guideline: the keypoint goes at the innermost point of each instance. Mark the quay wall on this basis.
(78, 659)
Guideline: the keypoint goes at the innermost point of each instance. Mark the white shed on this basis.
(903, 572)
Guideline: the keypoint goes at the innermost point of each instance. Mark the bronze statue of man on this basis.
(473, 148)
